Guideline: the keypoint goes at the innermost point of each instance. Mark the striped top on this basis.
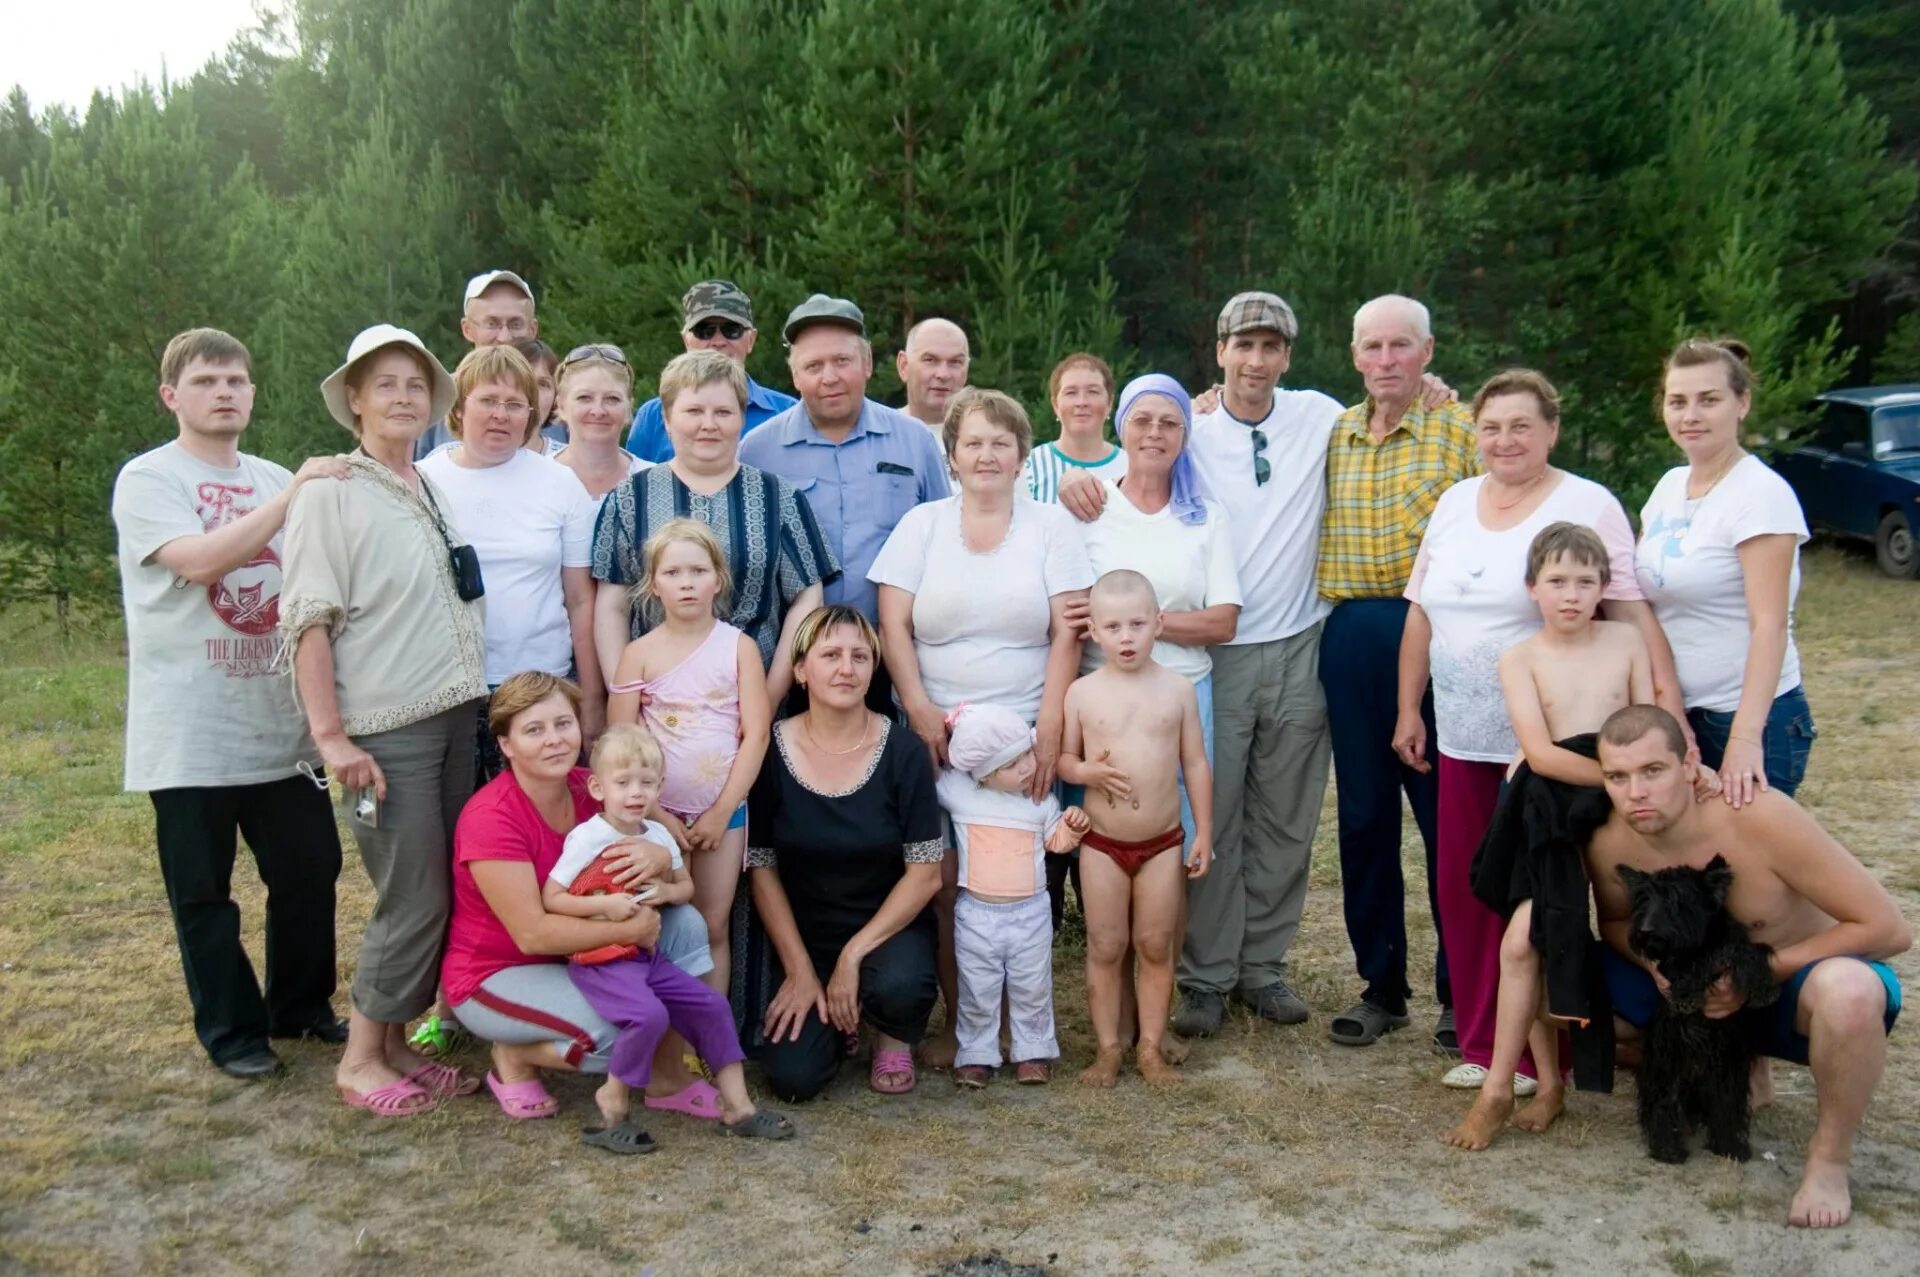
(1381, 493)
(1047, 467)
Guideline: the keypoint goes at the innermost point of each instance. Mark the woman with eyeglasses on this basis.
(594, 401)
(531, 525)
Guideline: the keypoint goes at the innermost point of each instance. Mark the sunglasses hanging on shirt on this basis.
(1262, 468)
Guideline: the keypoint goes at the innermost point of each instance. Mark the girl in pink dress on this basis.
(698, 684)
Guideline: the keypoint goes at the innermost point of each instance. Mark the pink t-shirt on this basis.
(1472, 584)
(499, 823)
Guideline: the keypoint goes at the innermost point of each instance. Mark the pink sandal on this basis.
(395, 1099)
(892, 1063)
(443, 1081)
(696, 1099)
(522, 1101)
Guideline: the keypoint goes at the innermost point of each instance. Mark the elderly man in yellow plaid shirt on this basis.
(1390, 458)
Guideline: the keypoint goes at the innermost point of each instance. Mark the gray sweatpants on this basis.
(409, 857)
(1004, 949)
(1271, 754)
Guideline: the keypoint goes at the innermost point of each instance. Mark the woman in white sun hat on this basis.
(382, 617)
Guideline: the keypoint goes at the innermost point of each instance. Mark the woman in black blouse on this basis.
(844, 855)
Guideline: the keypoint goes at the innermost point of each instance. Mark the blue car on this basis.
(1858, 474)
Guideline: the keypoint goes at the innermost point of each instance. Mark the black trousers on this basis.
(289, 827)
(897, 990)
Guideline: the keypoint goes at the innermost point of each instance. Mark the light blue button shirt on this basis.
(858, 488)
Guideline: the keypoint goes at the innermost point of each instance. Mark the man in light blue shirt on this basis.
(715, 315)
(860, 464)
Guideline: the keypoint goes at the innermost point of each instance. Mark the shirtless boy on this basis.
(1133, 729)
(1831, 925)
(1564, 681)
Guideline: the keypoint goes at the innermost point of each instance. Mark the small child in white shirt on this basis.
(1002, 921)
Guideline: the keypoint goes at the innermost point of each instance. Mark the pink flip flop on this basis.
(443, 1081)
(696, 1099)
(885, 1062)
(395, 1099)
(522, 1101)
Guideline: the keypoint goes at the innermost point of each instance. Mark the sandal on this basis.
(696, 1099)
(395, 1099)
(1364, 1024)
(898, 1064)
(972, 1077)
(522, 1101)
(765, 1124)
(624, 1138)
(1032, 1072)
(443, 1081)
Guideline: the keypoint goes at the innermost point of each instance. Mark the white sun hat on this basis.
(366, 342)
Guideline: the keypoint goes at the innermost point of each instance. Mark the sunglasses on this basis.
(580, 354)
(707, 328)
(1262, 468)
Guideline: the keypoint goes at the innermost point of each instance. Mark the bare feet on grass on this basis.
(937, 1052)
(1483, 1122)
(1542, 1110)
(1151, 1060)
(1105, 1069)
(1824, 1200)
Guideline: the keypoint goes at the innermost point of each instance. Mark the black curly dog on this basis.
(1694, 1068)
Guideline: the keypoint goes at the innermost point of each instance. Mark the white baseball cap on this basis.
(487, 279)
(366, 342)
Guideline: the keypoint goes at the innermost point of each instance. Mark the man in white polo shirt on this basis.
(1261, 453)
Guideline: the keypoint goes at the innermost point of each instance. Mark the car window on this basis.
(1842, 424)
(1896, 430)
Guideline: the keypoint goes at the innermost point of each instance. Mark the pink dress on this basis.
(694, 710)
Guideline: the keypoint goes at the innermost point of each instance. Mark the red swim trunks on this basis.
(1131, 855)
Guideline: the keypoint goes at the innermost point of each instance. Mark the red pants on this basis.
(1468, 794)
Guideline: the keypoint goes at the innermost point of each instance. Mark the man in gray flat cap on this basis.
(716, 314)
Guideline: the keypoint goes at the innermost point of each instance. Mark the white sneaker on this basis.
(1469, 1077)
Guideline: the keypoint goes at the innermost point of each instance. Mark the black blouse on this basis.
(840, 855)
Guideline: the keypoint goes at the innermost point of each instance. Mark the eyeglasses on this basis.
(514, 327)
(706, 328)
(1262, 468)
(580, 354)
(512, 407)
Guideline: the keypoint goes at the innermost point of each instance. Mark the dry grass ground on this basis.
(120, 1150)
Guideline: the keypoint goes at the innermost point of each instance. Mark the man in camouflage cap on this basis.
(715, 315)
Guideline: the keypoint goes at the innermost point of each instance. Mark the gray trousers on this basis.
(1271, 753)
(409, 858)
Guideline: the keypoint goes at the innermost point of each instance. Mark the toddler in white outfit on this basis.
(1002, 923)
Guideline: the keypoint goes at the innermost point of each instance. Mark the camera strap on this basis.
(426, 499)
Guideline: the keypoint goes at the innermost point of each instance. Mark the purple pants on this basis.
(643, 997)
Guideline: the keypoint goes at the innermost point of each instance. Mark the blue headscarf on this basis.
(1187, 492)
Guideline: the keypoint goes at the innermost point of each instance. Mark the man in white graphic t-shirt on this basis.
(213, 737)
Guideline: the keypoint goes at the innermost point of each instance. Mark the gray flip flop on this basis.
(625, 1139)
(1364, 1024)
(765, 1124)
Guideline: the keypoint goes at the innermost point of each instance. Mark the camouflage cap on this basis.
(715, 299)
(822, 309)
(1247, 312)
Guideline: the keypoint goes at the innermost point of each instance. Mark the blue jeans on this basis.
(1785, 741)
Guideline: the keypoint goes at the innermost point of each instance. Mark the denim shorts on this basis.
(1785, 741)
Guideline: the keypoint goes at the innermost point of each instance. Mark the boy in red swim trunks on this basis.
(1133, 728)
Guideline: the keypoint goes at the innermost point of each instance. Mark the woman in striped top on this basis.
(1081, 390)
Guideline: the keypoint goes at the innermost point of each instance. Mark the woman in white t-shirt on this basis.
(1081, 392)
(1719, 557)
(531, 523)
(1156, 522)
(1469, 603)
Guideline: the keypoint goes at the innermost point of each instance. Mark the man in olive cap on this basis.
(715, 315)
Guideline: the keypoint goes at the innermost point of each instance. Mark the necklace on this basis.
(865, 727)
(1738, 455)
(1525, 489)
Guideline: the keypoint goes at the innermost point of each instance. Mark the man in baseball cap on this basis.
(496, 310)
(715, 314)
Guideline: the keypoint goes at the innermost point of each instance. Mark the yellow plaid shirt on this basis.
(1380, 494)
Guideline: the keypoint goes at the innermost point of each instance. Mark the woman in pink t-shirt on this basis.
(1469, 604)
(505, 969)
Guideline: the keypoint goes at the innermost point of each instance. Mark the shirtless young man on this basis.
(1133, 728)
(1830, 923)
(1564, 681)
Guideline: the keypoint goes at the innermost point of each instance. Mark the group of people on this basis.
(913, 676)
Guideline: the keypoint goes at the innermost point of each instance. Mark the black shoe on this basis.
(332, 1032)
(1200, 1015)
(1276, 1002)
(1446, 1039)
(252, 1066)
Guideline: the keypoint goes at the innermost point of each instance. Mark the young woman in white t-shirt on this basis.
(1719, 558)
(1081, 391)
